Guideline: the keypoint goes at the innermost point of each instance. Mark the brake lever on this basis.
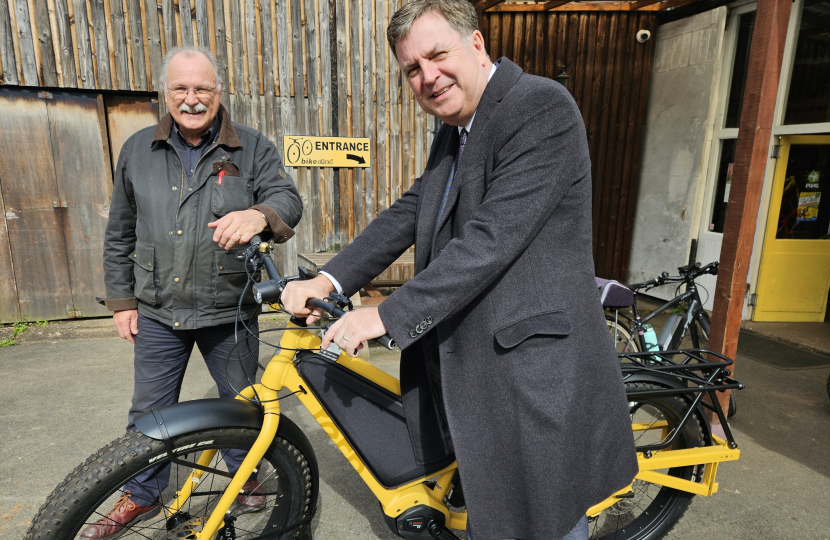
(340, 301)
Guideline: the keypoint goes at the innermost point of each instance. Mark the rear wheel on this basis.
(654, 509)
(623, 340)
(89, 492)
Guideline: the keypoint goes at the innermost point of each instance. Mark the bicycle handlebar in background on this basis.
(688, 272)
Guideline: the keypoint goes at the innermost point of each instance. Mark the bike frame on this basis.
(281, 373)
(695, 305)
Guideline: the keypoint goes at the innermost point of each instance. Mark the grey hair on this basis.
(189, 52)
(460, 14)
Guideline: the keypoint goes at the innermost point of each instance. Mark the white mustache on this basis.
(198, 108)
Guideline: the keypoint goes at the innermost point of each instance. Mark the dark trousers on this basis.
(580, 532)
(161, 357)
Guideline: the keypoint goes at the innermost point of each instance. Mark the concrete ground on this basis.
(65, 391)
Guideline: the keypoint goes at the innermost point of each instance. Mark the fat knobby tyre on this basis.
(654, 509)
(88, 493)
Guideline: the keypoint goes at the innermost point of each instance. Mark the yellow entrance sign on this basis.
(301, 151)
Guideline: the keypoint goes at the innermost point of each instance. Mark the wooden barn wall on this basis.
(308, 67)
(609, 75)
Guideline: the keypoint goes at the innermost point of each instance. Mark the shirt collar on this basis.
(469, 125)
(211, 134)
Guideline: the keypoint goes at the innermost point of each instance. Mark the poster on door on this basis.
(808, 201)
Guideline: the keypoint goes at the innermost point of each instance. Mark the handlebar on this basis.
(687, 273)
(270, 291)
(331, 309)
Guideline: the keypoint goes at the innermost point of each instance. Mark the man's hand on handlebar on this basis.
(296, 294)
(126, 322)
(353, 329)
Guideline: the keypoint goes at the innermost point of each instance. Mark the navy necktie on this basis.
(461, 145)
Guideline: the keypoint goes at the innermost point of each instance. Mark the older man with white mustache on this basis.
(187, 193)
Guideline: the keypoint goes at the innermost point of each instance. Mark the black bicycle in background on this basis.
(632, 332)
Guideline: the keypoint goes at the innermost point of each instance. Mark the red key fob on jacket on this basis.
(221, 174)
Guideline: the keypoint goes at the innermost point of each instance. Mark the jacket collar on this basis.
(499, 85)
(227, 134)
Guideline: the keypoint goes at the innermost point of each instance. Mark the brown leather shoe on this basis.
(249, 499)
(123, 512)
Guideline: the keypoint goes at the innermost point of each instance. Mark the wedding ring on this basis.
(345, 338)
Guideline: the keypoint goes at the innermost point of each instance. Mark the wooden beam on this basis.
(484, 5)
(571, 6)
(634, 6)
(751, 161)
(674, 4)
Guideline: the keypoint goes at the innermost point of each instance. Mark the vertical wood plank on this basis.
(286, 113)
(168, 12)
(203, 28)
(341, 83)
(118, 44)
(8, 75)
(9, 303)
(16, 42)
(330, 197)
(313, 125)
(235, 32)
(137, 46)
(266, 31)
(305, 234)
(369, 70)
(222, 49)
(64, 35)
(152, 12)
(325, 48)
(102, 46)
(111, 41)
(26, 43)
(381, 110)
(56, 45)
(47, 67)
(356, 73)
(394, 93)
(186, 22)
(251, 39)
(83, 46)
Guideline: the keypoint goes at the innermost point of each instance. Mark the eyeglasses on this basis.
(200, 91)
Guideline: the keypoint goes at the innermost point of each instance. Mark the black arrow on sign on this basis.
(356, 158)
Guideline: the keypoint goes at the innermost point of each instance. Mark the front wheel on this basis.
(90, 491)
(653, 510)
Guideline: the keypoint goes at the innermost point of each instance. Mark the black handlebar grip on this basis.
(386, 341)
(383, 340)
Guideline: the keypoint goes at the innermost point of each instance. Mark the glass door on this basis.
(795, 262)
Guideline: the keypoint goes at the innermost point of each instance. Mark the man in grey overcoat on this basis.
(506, 360)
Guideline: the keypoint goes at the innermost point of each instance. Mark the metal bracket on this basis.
(776, 151)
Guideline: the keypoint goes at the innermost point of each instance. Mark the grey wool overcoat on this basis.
(506, 358)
